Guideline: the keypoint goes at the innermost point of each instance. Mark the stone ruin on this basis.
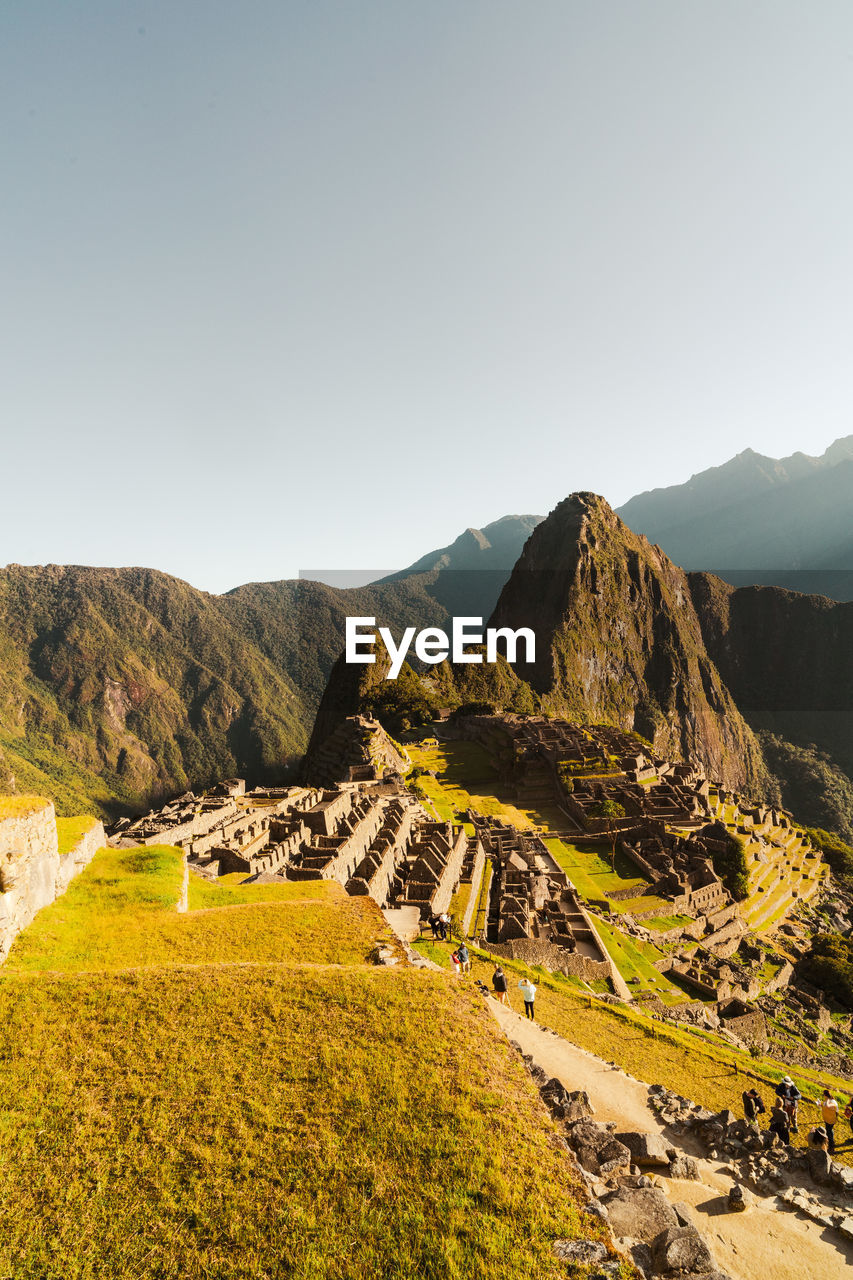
(371, 837)
(535, 914)
(357, 750)
(679, 868)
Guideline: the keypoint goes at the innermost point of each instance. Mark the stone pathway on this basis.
(764, 1243)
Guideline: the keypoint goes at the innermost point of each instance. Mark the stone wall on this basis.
(29, 866)
(535, 951)
(478, 867)
(32, 874)
(73, 862)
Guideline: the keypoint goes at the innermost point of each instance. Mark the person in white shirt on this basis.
(528, 992)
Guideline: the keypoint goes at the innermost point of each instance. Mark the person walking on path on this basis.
(528, 992)
(499, 984)
(753, 1107)
(457, 963)
(434, 925)
(829, 1115)
(464, 958)
(789, 1095)
(444, 925)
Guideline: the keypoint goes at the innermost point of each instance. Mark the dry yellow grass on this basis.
(21, 806)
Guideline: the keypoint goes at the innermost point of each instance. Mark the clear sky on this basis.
(305, 283)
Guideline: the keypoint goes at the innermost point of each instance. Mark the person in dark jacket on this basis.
(779, 1123)
(789, 1096)
(464, 958)
(753, 1107)
(499, 984)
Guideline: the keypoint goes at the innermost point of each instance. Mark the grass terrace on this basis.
(465, 778)
(120, 913)
(21, 806)
(243, 1119)
(71, 831)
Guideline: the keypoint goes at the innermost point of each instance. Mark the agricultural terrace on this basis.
(783, 867)
(465, 778)
(235, 1092)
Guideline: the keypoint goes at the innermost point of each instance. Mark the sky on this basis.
(309, 283)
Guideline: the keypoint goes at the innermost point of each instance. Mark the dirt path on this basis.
(763, 1242)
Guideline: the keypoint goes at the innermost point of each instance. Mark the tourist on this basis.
(444, 925)
(829, 1115)
(789, 1095)
(499, 984)
(528, 992)
(753, 1107)
(779, 1123)
(464, 958)
(433, 924)
(457, 963)
(817, 1139)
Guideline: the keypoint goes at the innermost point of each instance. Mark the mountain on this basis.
(619, 641)
(785, 521)
(786, 658)
(496, 546)
(120, 686)
(466, 577)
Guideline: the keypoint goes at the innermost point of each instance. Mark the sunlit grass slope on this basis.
(70, 831)
(258, 1120)
(120, 913)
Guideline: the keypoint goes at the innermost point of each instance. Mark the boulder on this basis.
(683, 1213)
(681, 1249)
(739, 1198)
(712, 1134)
(820, 1166)
(684, 1167)
(578, 1106)
(580, 1251)
(598, 1151)
(565, 1105)
(647, 1149)
(639, 1213)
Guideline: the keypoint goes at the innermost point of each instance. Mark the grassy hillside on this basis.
(248, 1106)
(121, 685)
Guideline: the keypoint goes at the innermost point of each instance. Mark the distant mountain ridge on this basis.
(495, 546)
(785, 521)
(121, 686)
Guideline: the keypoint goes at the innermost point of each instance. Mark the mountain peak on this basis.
(619, 640)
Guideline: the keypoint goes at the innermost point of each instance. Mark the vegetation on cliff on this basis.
(829, 965)
(812, 785)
